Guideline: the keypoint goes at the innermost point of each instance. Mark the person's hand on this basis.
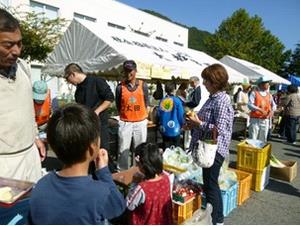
(97, 111)
(263, 112)
(193, 120)
(41, 147)
(101, 160)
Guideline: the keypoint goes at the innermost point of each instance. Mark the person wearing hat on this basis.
(21, 151)
(242, 101)
(132, 103)
(42, 103)
(262, 106)
(93, 92)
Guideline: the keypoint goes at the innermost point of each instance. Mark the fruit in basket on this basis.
(6, 194)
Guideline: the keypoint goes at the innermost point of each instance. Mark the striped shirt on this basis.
(217, 111)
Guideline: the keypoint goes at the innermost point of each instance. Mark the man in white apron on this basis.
(20, 149)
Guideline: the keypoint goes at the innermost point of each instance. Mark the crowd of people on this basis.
(78, 134)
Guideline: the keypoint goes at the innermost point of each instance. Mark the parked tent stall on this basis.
(103, 50)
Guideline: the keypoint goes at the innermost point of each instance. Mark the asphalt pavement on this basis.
(279, 202)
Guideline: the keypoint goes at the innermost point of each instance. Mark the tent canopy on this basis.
(253, 71)
(97, 49)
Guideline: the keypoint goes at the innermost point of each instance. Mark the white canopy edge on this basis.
(253, 71)
(97, 49)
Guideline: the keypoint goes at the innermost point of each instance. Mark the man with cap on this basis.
(42, 103)
(21, 151)
(262, 106)
(93, 92)
(132, 102)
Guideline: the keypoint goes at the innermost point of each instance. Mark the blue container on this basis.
(16, 214)
(229, 198)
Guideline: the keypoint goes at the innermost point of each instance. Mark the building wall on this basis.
(112, 11)
(102, 12)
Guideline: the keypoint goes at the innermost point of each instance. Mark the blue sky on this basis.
(281, 17)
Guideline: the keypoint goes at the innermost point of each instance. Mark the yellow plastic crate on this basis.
(260, 179)
(251, 158)
(173, 169)
(184, 211)
(244, 188)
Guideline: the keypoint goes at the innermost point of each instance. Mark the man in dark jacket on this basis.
(93, 92)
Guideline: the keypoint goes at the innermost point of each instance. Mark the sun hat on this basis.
(263, 79)
(246, 85)
(39, 90)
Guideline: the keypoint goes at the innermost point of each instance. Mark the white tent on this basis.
(253, 71)
(97, 49)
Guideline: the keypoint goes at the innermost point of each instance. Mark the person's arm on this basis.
(136, 196)
(180, 112)
(118, 97)
(41, 147)
(105, 93)
(146, 94)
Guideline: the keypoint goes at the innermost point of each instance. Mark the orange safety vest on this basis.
(133, 106)
(263, 103)
(43, 111)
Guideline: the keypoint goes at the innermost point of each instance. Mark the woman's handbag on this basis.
(204, 155)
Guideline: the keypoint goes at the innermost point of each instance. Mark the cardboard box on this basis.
(287, 173)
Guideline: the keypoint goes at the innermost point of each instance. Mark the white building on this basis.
(109, 14)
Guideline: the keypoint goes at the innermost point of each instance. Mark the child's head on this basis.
(72, 131)
(149, 159)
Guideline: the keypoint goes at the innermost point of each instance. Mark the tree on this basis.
(294, 66)
(39, 34)
(245, 37)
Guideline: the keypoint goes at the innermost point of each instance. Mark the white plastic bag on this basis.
(204, 155)
(201, 217)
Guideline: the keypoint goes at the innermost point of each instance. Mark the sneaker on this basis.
(289, 143)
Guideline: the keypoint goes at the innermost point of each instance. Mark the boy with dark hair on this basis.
(70, 196)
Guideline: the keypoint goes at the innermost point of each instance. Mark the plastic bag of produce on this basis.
(176, 157)
(201, 217)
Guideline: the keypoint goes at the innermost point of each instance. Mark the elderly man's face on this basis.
(10, 47)
(264, 86)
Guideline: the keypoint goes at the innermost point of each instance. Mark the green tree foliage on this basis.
(294, 66)
(245, 37)
(197, 39)
(39, 34)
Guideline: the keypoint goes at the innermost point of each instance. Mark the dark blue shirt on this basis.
(75, 200)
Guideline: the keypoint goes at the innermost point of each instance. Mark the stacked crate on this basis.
(255, 161)
(184, 211)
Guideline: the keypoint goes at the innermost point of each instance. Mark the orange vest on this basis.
(43, 111)
(263, 103)
(133, 106)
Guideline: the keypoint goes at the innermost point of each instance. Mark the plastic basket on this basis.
(260, 179)
(229, 198)
(184, 211)
(174, 169)
(255, 159)
(16, 214)
(244, 187)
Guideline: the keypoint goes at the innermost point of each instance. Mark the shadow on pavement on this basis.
(284, 188)
(293, 155)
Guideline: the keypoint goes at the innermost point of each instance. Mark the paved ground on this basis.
(279, 203)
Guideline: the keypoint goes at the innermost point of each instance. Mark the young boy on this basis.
(71, 196)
